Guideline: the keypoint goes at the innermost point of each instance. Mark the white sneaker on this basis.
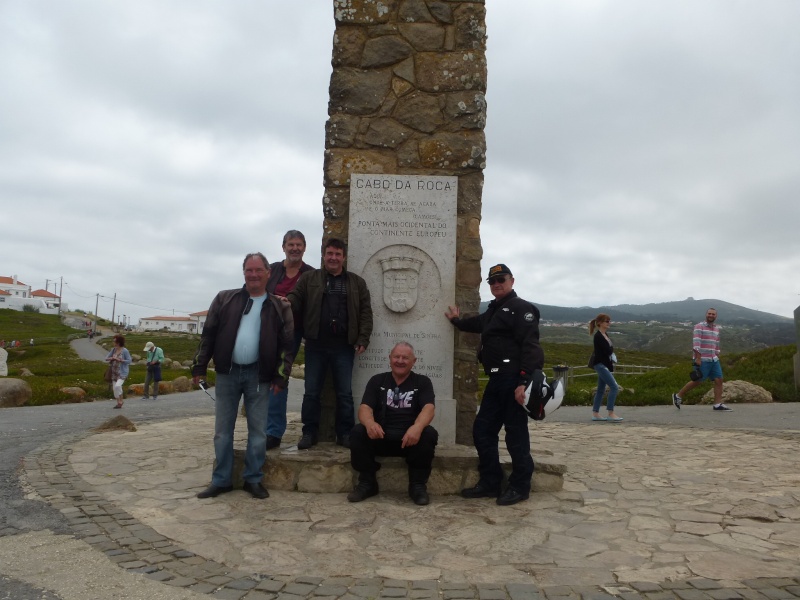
(676, 400)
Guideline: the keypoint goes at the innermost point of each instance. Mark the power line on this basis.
(111, 298)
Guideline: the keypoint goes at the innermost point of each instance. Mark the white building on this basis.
(178, 324)
(14, 287)
(16, 295)
(200, 317)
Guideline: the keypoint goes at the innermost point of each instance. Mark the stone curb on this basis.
(138, 548)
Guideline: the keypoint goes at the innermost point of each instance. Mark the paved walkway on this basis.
(646, 511)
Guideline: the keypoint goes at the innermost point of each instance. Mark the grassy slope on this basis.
(55, 365)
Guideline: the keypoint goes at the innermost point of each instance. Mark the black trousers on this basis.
(419, 457)
(499, 409)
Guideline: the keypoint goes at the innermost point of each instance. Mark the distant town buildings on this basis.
(16, 295)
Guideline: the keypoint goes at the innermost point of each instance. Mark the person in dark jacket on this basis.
(510, 353)
(337, 318)
(604, 359)
(250, 335)
(283, 276)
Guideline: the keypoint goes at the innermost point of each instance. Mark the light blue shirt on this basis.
(245, 350)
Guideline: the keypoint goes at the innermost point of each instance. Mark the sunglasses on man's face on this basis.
(498, 279)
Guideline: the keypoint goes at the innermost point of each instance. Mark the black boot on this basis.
(418, 486)
(366, 487)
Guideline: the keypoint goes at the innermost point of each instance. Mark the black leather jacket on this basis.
(276, 342)
(509, 336)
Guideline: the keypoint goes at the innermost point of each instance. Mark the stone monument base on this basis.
(325, 468)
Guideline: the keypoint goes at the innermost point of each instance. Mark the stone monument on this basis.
(407, 106)
(406, 251)
(3, 362)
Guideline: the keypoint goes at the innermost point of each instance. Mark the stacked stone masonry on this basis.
(407, 97)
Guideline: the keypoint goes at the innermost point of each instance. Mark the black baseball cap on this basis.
(500, 269)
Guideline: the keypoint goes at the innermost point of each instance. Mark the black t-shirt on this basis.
(395, 408)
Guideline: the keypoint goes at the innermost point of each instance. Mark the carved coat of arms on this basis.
(400, 282)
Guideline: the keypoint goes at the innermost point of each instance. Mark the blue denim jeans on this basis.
(339, 358)
(276, 414)
(499, 409)
(605, 378)
(242, 381)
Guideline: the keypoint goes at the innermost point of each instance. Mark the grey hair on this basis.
(406, 344)
(256, 255)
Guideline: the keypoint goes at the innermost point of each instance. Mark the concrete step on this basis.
(325, 468)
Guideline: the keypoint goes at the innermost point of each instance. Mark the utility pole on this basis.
(96, 306)
(61, 289)
(114, 307)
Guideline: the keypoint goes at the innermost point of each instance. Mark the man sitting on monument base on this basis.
(395, 420)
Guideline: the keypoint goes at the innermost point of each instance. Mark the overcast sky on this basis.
(637, 151)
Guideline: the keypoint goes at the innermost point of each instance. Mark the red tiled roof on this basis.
(5, 293)
(10, 280)
(43, 294)
(202, 313)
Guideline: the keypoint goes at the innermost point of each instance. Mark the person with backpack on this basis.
(154, 358)
(510, 354)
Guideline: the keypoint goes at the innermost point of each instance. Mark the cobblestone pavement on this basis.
(655, 512)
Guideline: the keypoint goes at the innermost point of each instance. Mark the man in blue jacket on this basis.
(250, 335)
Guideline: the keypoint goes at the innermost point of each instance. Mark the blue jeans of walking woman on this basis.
(605, 379)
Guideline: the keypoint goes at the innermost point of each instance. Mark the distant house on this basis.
(200, 317)
(178, 324)
(17, 295)
(49, 298)
(15, 287)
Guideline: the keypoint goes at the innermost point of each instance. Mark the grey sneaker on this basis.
(677, 400)
(721, 407)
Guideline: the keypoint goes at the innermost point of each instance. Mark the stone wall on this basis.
(407, 98)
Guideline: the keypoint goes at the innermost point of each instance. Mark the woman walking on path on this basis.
(604, 359)
(120, 360)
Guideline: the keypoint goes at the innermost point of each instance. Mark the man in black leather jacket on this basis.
(509, 352)
(250, 335)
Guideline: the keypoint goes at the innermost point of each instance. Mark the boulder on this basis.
(118, 423)
(738, 391)
(14, 392)
(166, 363)
(182, 384)
(136, 358)
(23, 372)
(75, 394)
(299, 371)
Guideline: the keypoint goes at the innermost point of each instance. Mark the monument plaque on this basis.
(403, 243)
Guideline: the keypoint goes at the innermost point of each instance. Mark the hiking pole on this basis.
(204, 386)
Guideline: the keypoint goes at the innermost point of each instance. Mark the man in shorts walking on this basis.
(705, 354)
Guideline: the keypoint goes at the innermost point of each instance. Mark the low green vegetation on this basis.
(55, 365)
(771, 369)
